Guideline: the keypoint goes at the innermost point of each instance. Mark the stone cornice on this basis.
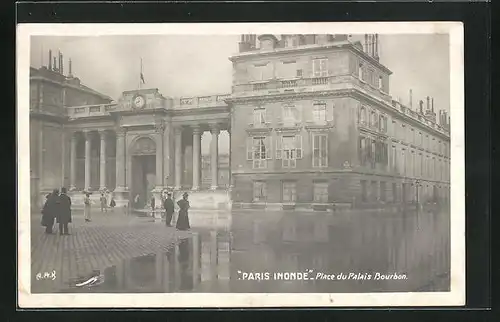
(68, 85)
(44, 116)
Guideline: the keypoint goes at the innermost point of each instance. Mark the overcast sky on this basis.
(187, 65)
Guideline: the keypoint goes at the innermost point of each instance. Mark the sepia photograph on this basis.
(241, 165)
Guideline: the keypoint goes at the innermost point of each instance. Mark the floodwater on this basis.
(245, 252)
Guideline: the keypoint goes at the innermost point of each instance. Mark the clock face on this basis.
(139, 101)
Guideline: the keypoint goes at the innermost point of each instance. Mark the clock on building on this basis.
(139, 101)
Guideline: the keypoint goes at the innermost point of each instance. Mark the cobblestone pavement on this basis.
(103, 242)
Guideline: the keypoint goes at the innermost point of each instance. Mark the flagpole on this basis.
(140, 74)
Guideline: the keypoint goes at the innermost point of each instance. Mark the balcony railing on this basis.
(179, 103)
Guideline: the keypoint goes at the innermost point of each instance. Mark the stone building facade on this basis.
(310, 120)
(314, 124)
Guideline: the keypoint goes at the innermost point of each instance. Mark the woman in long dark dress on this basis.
(183, 219)
(49, 211)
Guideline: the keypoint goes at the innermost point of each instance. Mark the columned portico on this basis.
(72, 170)
(178, 157)
(214, 155)
(196, 157)
(120, 160)
(102, 161)
(88, 147)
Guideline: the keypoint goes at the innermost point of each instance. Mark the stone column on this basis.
(73, 162)
(214, 156)
(88, 146)
(178, 158)
(196, 157)
(102, 161)
(166, 154)
(120, 160)
(159, 155)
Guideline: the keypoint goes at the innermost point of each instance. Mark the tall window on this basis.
(320, 67)
(291, 114)
(320, 191)
(289, 149)
(412, 133)
(382, 191)
(289, 191)
(403, 161)
(362, 116)
(259, 191)
(261, 72)
(259, 117)
(319, 112)
(360, 71)
(374, 191)
(380, 82)
(363, 190)
(420, 139)
(395, 129)
(373, 119)
(259, 151)
(394, 192)
(373, 152)
(288, 69)
(394, 158)
(383, 124)
(320, 150)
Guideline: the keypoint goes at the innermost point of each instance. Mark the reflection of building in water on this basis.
(177, 270)
(407, 243)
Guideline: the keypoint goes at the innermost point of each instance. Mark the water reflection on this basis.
(249, 255)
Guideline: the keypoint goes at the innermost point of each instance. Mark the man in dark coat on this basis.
(49, 211)
(64, 213)
(168, 204)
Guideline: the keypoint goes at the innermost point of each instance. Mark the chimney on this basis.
(421, 104)
(432, 106)
(376, 47)
(428, 103)
(411, 98)
(366, 43)
(50, 59)
(62, 64)
(54, 68)
(70, 73)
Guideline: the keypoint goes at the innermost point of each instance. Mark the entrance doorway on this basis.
(143, 176)
(143, 179)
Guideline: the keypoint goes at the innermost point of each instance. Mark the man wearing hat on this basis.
(168, 204)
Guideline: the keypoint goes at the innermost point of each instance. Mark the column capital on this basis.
(196, 129)
(87, 133)
(102, 133)
(214, 128)
(159, 127)
(120, 131)
(178, 130)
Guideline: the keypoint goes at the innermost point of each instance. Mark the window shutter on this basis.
(298, 146)
(330, 111)
(249, 148)
(268, 147)
(278, 147)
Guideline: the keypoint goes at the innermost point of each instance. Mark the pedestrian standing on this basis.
(169, 209)
(49, 211)
(183, 218)
(153, 206)
(87, 207)
(112, 204)
(104, 203)
(64, 213)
